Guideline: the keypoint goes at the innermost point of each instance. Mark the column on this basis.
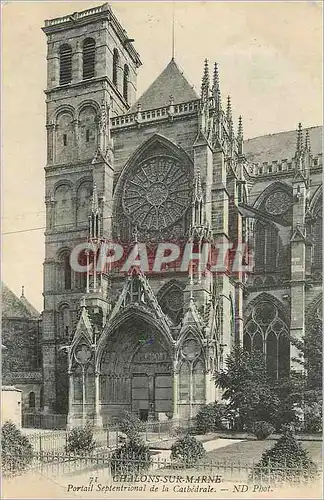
(175, 394)
(97, 418)
(77, 64)
(70, 415)
(151, 399)
(207, 387)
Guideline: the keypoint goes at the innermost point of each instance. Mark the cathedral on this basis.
(169, 166)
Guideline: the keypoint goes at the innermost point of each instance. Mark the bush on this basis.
(313, 418)
(131, 425)
(187, 450)
(209, 418)
(80, 439)
(262, 429)
(133, 456)
(17, 452)
(178, 431)
(286, 461)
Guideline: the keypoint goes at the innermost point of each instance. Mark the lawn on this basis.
(248, 451)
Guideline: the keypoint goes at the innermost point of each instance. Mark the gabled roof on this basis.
(280, 146)
(14, 307)
(170, 82)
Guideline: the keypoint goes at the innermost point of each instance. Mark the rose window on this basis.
(278, 203)
(157, 194)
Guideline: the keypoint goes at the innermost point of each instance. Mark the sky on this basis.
(270, 61)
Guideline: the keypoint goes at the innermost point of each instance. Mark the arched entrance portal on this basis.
(136, 371)
(151, 370)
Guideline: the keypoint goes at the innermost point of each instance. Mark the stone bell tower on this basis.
(91, 77)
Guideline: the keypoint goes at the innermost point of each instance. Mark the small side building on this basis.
(21, 353)
(11, 405)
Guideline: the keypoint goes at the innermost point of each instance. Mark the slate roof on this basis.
(170, 82)
(280, 146)
(14, 307)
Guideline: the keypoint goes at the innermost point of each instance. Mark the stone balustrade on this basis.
(154, 114)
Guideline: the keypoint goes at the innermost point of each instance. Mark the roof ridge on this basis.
(282, 132)
(14, 306)
(170, 81)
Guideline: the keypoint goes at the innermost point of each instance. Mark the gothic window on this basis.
(115, 67)
(266, 330)
(198, 386)
(125, 82)
(83, 202)
(170, 298)
(156, 194)
(65, 64)
(65, 327)
(31, 401)
(64, 138)
(63, 206)
(90, 385)
(278, 202)
(266, 247)
(89, 55)
(88, 131)
(77, 385)
(65, 276)
(184, 382)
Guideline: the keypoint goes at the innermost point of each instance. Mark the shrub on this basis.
(17, 452)
(262, 429)
(133, 456)
(131, 425)
(187, 450)
(178, 431)
(313, 418)
(80, 439)
(209, 418)
(286, 461)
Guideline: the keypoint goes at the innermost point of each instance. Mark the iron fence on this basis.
(153, 468)
(110, 437)
(44, 421)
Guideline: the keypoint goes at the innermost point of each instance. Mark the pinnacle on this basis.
(307, 141)
(299, 145)
(240, 128)
(205, 82)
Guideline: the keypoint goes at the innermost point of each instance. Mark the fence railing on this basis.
(56, 440)
(44, 421)
(56, 464)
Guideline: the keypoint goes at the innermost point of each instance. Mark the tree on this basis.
(310, 357)
(247, 388)
(286, 461)
(17, 452)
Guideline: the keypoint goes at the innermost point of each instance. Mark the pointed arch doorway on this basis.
(136, 370)
(151, 373)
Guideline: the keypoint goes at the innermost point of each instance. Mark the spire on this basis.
(229, 116)
(22, 292)
(240, 135)
(216, 87)
(205, 82)
(299, 145)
